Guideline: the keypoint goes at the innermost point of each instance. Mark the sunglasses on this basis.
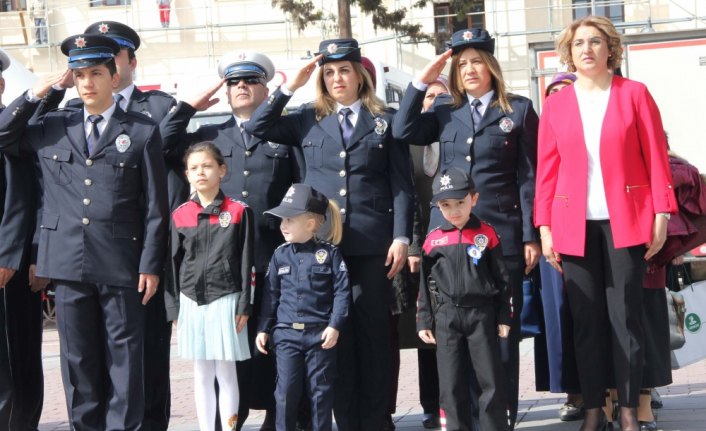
(250, 80)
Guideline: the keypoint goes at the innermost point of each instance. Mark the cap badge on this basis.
(224, 218)
(103, 28)
(445, 181)
(380, 126)
(332, 48)
(467, 35)
(481, 241)
(506, 124)
(80, 42)
(122, 143)
(321, 256)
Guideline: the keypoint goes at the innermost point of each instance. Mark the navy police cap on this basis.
(451, 183)
(300, 199)
(477, 38)
(339, 50)
(121, 33)
(86, 50)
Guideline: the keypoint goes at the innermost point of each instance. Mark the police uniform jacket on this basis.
(212, 253)
(370, 178)
(500, 156)
(259, 173)
(306, 283)
(464, 267)
(16, 209)
(104, 217)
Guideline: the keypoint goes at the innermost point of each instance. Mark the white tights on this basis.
(205, 372)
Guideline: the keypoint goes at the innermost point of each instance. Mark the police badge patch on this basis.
(321, 256)
(481, 241)
(380, 125)
(224, 218)
(122, 143)
(506, 124)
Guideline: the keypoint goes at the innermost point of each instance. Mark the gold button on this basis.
(89, 162)
(342, 173)
(245, 193)
(342, 192)
(342, 154)
(86, 201)
(468, 159)
(87, 181)
(246, 173)
(85, 220)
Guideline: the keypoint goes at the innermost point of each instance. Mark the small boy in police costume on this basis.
(304, 305)
(464, 304)
(103, 230)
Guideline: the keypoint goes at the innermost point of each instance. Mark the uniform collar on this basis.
(355, 107)
(484, 99)
(106, 114)
(215, 206)
(305, 246)
(472, 223)
(127, 92)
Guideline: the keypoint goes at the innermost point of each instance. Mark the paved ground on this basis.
(684, 401)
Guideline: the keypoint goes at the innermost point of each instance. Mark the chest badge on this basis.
(506, 124)
(224, 218)
(475, 253)
(122, 143)
(481, 241)
(273, 145)
(146, 113)
(321, 256)
(380, 126)
(284, 270)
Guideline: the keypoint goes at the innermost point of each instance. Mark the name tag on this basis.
(284, 270)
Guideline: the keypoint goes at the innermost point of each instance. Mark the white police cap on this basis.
(4, 61)
(237, 64)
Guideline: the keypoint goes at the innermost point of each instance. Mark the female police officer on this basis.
(350, 156)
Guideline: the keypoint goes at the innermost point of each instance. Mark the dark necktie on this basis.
(246, 137)
(118, 98)
(475, 113)
(346, 125)
(95, 134)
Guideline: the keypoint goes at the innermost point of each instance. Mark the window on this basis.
(446, 21)
(615, 12)
(96, 3)
(12, 5)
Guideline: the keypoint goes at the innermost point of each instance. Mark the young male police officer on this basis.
(259, 174)
(103, 231)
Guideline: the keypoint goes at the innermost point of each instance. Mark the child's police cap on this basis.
(119, 32)
(452, 183)
(87, 50)
(300, 199)
(339, 50)
(477, 38)
(246, 64)
(4, 61)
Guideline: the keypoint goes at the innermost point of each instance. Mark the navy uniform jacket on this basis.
(259, 174)
(16, 209)
(370, 179)
(156, 105)
(104, 218)
(501, 163)
(306, 283)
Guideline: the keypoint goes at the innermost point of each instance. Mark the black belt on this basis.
(301, 326)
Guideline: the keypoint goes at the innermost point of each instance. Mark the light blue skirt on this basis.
(207, 332)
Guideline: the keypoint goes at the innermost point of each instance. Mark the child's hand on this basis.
(503, 331)
(427, 336)
(330, 337)
(240, 321)
(261, 342)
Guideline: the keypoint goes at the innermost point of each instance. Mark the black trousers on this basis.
(428, 381)
(510, 346)
(158, 335)
(362, 387)
(466, 342)
(605, 295)
(101, 333)
(7, 387)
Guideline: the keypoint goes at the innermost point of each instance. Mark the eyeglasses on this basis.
(250, 80)
(593, 42)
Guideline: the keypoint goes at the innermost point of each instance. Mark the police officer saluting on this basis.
(259, 173)
(103, 230)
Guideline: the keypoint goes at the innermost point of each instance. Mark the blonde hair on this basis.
(498, 82)
(325, 104)
(605, 26)
(335, 234)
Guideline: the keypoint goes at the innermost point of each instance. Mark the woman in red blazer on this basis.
(603, 199)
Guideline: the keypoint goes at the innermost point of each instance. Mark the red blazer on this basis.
(633, 154)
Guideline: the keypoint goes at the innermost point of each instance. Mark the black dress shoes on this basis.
(571, 412)
(648, 426)
(431, 421)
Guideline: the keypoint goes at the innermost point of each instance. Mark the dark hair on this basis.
(112, 68)
(207, 147)
(130, 53)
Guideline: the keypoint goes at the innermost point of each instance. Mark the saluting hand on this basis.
(432, 71)
(303, 75)
(330, 337)
(43, 85)
(240, 321)
(204, 101)
(261, 342)
(148, 284)
(397, 257)
(659, 236)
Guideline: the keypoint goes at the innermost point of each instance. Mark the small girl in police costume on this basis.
(304, 305)
(212, 257)
(464, 305)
